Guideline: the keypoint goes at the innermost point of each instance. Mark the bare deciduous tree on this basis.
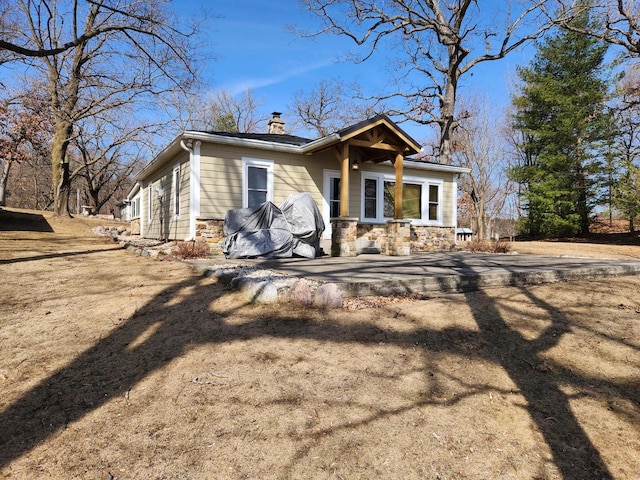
(625, 187)
(618, 21)
(214, 111)
(329, 107)
(440, 43)
(478, 146)
(108, 151)
(225, 112)
(96, 55)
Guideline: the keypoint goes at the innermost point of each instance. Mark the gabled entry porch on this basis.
(374, 141)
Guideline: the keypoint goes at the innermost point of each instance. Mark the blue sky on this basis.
(253, 49)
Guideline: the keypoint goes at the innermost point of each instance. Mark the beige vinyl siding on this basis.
(221, 176)
(220, 180)
(163, 212)
(300, 173)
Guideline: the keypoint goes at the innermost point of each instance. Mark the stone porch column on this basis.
(344, 231)
(399, 237)
(211, 230)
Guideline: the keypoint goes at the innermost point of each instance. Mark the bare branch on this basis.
(442, 41)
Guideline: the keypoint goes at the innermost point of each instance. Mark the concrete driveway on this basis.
(429, 272)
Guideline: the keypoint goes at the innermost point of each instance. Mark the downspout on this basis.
(194, 183)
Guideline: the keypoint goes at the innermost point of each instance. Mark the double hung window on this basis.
(257, 182)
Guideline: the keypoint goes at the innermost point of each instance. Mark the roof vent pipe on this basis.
(276, 124)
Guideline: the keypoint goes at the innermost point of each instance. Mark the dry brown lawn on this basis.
(114, 366)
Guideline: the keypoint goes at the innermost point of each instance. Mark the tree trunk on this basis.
(582, 203)
(447, 112)
(3, 181)
(60, 177)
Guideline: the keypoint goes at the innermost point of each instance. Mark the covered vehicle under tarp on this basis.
(271, 232)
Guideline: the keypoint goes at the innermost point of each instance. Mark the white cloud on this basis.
(260, 82)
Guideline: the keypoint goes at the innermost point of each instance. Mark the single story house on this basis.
(369, 190)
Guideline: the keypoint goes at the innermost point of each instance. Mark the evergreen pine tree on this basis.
(561, 112)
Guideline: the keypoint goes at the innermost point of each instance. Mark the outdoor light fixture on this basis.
(355, 166)
(159, 191)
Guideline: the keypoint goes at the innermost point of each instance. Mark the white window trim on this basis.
(256, 162)
(327, 175)
(149, 203)
(134, 207)
(424, 207)
(175, 189)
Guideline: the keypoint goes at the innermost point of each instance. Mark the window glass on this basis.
(257, 178)
(389, 199)
(433, 202)
(370, 197)
(176, 196)
(334, 198)
(411, 200)
(150, 203)
(257, 186)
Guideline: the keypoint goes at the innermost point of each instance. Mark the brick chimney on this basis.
(276, 124)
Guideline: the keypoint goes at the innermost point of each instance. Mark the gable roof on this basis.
(376, 133)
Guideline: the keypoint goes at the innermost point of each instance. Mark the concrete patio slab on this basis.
(432, 272)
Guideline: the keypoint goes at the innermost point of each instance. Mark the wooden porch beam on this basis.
(345, 166)
(398, 165)
(378, 146)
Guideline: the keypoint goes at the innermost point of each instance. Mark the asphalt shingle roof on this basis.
(267, 137)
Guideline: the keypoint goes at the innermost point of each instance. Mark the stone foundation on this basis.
(135, 226)
(211, 230)
(344, 232)
(432, 239)
(369, 232)
(399, 238)
(422, 239)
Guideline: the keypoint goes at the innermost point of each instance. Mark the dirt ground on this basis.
(114, 366)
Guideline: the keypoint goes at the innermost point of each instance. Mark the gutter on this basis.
(242, 142)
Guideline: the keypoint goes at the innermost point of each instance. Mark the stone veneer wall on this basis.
(374, 233)
(344, 232)
(432, 239)
(423, 238)
(135, 226)
(211, 230)
(399, 237)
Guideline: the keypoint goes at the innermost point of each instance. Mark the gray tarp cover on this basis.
(271, 232)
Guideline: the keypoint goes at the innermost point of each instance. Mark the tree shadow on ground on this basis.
(178, 320)
(49, 256)
(574, 454)
(23, 222)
